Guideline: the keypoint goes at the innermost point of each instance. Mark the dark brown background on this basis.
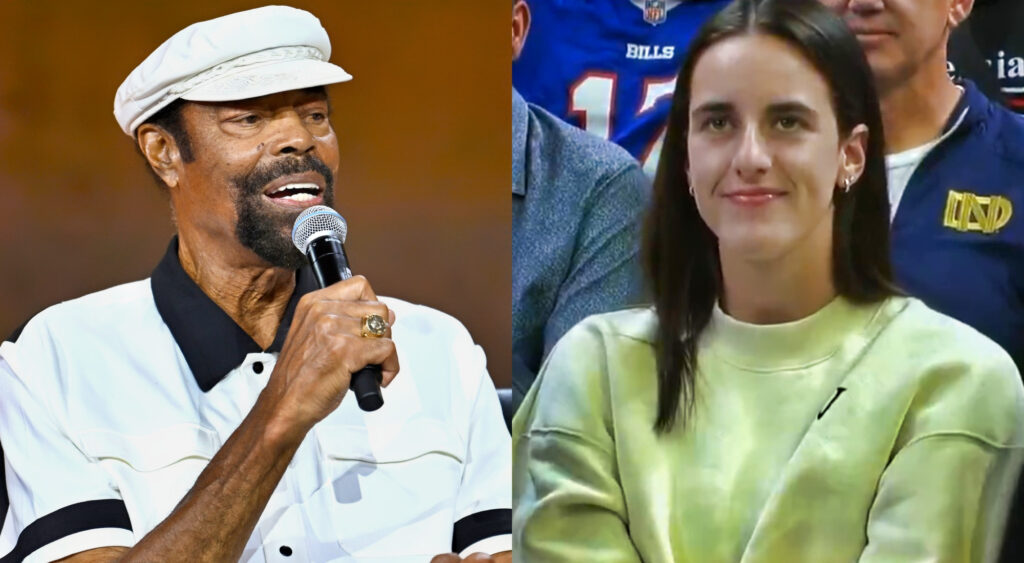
(423, 127)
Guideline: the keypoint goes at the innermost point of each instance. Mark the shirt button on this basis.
(286, 551)
(257, 367)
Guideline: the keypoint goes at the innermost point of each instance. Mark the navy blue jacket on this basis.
(958, 234)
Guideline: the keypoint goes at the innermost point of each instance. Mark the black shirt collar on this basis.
(213, 344)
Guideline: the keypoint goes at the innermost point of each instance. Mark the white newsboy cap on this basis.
(234, 57)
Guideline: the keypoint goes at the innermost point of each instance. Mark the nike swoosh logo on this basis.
(839, 391)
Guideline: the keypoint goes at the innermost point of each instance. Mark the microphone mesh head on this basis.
(315, 222)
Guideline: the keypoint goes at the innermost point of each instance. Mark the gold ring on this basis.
(374, 326)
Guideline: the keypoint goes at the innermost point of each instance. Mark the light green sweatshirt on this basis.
(884, 432)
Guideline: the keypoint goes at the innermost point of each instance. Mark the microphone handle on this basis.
(330, 265)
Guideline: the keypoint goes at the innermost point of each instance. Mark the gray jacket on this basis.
(577, 207)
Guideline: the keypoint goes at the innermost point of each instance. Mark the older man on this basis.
(201, 415)
(955, 165)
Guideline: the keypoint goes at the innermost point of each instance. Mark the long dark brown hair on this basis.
(681, 252)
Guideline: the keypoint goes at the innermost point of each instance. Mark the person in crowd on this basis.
(954, 160)
(609, 66)
(577, 201)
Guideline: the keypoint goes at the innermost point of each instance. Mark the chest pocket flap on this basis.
(153, 450)
(388, 443)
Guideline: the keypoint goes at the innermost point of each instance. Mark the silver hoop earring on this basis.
(691, 190)
(847, 182)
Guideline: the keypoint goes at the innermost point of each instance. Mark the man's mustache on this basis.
(253, 182)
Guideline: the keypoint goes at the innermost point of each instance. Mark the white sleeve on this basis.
(483, 508)
(61, 501)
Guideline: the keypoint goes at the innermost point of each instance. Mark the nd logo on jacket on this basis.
(966, 211)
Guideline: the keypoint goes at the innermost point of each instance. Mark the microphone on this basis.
(319, 233)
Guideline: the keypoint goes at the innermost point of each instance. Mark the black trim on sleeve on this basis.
(89, 515)
(480, 526)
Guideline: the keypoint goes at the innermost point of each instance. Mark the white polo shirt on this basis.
(111, 405)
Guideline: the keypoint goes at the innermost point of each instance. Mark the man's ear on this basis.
(520, 26)
(162, 153)
(959, 11)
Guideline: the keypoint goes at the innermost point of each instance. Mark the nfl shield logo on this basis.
(654, 11)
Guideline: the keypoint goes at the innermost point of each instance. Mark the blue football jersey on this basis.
(609, 66)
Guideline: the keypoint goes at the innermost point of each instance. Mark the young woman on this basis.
(781, 401)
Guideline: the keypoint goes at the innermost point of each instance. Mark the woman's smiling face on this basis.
(765, 154)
